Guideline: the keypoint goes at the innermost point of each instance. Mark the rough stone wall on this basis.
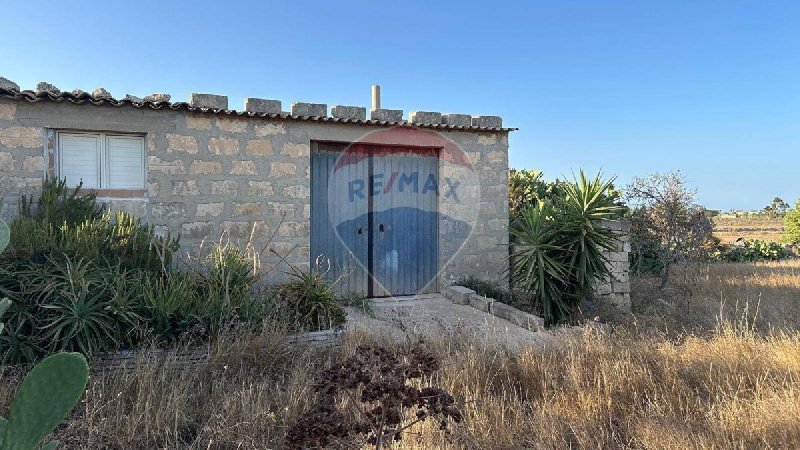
(617, 291)
(209, 173)
(21, 156)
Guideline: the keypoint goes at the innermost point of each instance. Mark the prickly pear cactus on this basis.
(46, 397)
(4, 304)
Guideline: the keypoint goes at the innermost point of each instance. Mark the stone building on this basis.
(393, 206)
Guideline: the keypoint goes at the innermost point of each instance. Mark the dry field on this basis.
(728, 386)
(728, 230)
(763, 296)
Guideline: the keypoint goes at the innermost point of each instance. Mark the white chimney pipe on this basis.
(376, 97)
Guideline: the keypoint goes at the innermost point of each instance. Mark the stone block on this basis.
(5, 83)
(261, 105)
(279, 169)
(269, 129)
(243, 168)
(487, 121)
(603, 288)
(246, 209)
(296, 150)
(309, 109)
(243, 230)
(349, 112)
(196, 230)
(226, 187)
(135, 207)
(181, 143)
(496, 157)
(196, 122)
(480, 302)
(205, 167)
(458, 294)
(8, 111)
(6, 162)
(157, 97)
(387, 115)
(168, 210)
(280, 209)
(166, 167)
(33, 163)
(297, 192)
(487, 139)
(210, 209)
(519, 318)
(232, 125)
(622, 288)
(185, 188)
(620, 300)
(259, 147)
(426, 117)
(208, 101)
(458, 120)
(223, 146)
(21, 137)
(294, 229)
(260, 189)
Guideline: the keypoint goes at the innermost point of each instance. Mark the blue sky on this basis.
(635, 87)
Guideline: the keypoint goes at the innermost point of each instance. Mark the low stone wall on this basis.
(464, 296)
(125, 360)
(617, 291)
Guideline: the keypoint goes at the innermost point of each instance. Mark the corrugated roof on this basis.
(85, 98)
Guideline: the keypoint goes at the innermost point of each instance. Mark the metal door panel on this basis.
(405, 216)
(339, 232)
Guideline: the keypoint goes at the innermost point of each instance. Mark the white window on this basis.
(101, 161)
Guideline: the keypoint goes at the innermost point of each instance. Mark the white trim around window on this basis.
(101, 160)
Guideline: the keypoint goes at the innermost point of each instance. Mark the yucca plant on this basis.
(558, 253)
(538, 260)
(313, 299)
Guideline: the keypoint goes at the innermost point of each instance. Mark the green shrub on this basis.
(313, 300)
(231, 273)
(58, 205)
(559, 244)
(68, 304)
(791, 224)
(752, 251)
(88, 280)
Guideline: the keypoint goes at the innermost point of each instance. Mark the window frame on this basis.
(103, 163)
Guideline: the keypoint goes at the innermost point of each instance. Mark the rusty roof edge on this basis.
(87, 98)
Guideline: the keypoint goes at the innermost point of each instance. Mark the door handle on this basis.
(359, 230)
(380, 228)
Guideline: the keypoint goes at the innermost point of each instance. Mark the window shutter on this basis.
(125, 162)
(80, 159)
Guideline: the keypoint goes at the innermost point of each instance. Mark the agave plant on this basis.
(559, 246)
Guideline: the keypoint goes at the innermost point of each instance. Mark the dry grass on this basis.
(766, 228)
(733, 387)
(765, 296)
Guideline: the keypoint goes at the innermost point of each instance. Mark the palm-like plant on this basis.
(559, 246)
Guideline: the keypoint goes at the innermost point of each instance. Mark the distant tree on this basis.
(791, 225)
(664, 211)
(777, 207)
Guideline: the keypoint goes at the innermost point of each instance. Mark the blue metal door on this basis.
(374, 217)
(405, 232)
(339, 233)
